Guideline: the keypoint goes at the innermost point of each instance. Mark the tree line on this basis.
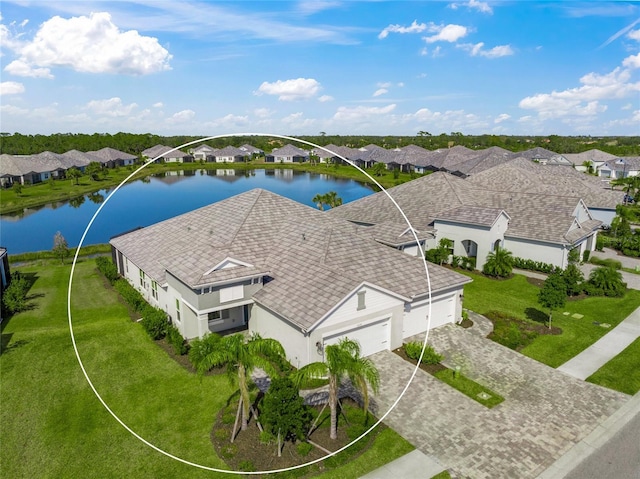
(134, 143)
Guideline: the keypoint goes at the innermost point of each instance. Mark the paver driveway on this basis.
(544, 414)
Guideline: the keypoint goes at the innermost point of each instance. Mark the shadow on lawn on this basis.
(6, 346)
(536, 315)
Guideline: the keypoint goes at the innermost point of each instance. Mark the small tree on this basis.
(284, 413)
(14, 298)
(499, 263)
(573, 279)
(320, 201)
(60, 246)
(379, 169)
(553, 294)
(17, 188)
(94, 170)
(74, 174)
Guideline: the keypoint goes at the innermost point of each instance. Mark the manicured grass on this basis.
(41, 194)
(469, 388)
(442, 475)
(517, 297)
(94, 249)
(54, 426)
(622, 373)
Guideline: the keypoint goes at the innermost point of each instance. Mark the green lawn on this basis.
(517, 297)
(54, 426)
(622, 373)
(469, 388)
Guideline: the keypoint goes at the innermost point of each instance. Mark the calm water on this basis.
(142, 203)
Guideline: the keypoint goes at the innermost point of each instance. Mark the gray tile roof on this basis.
(475, 215)
(525, 176)
(18, 165)
(624, 163)
(314, 259)
(289, 150)
(593, 155)
(111, 154)
(229, 151)
(162, 151)
(533, 216)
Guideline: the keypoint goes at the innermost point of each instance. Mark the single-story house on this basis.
(203, 153)
(111, 157)
(164, 153)
(287, 154)
(593, 158)
(620, 167)
(229, 154)
(541, 227)
(286, 271)
(251, 150)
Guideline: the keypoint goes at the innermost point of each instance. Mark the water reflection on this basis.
(96, 198)
(76, 202)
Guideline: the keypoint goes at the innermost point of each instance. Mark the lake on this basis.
(144, 202)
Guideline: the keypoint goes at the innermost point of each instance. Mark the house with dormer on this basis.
(286, 271)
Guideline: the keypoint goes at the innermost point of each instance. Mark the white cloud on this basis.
(424, 51)
(228, 121)
(448, 33)
(628, 106)
(478, 50)
(415, 27)
(360, 113)
(262, 112)
(11, 88)
(473, 4)
(182, 116)
(380, 91)
(112, 107)
(308, 7)
(92, 44)
(502, 117)
(13, 110)
(325, 98)
(401, 84)
(632, 62)
(23, 69)
(290, 90)
(634, 35)
(583, 100)
(386, 84)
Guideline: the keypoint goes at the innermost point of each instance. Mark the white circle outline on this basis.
(200, 466)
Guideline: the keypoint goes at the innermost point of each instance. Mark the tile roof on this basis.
(475, 215)
(624, 163)
(533, 216)
(111, 154)
(312, 257)
(162, 151)
(289, 150)
(594, 155)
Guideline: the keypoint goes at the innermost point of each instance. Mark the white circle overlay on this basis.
(200, 466)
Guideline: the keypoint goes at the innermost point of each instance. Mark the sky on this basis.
(307, 67)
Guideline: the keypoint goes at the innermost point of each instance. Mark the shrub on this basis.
(531, 265)
(14, 298)
(155, 322)
(132, 297)
(606, 281)
(607, 262)
(304, 448)
(455, 261)
(266, 438)
(585, 256)
(430, 356)
(175, 339)
(107, 268)
(246, 466)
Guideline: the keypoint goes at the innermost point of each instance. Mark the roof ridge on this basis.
(453, 189)
(246, 216)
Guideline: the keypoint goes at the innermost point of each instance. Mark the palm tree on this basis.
(332, 199)
(499, 263)
(342, 360)
(608, 280)
(320, 200)
(240, 357)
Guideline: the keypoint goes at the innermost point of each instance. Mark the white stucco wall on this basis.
(444, 309)
(537, 250)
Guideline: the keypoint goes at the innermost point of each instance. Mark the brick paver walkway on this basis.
(544, 414)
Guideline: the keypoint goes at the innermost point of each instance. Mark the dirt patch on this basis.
(535, 281)
(249, 453)
(465, 323)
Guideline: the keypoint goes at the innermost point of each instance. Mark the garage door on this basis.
(415, 321)
(372, 337)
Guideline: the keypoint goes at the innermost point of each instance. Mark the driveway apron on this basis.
(544, 414)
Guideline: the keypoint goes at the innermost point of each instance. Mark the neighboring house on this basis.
(110, 157)
(165, 153)
(524, 176)
(230, 154)
(594, 158)
(251, 150)
(287, 154)
(286, 271)
(203, 153)
(31, 169)
(541, 227)
(620, 167)
(543, 156)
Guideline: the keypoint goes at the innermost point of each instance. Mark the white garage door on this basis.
(415, 321)
(372, 337)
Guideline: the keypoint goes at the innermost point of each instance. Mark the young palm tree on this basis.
(342, 360)
(608, 280)
(320, 200)
(240, 357)
(332, 199)
(499, 263)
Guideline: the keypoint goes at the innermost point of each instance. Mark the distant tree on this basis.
(284, 413)
(379, 169)
(60, 246)
(17, 188)
(499, 263)
(94, 170)
(553, 294)
(74, 174)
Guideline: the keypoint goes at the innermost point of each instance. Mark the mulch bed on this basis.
(248, 453)
(465, 323)
(535, 281)
(429, 368)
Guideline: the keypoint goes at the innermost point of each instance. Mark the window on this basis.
(154, 289)
(361, 303)
(178, 310)
(142, 278)
(126, 265)
(231, 294)
(221, 314)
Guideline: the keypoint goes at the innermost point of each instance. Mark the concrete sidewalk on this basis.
(606, 348)
(413, 465)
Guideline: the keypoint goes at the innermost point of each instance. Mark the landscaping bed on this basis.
(252, 451)
(516, 333)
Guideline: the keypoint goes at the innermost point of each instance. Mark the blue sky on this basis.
(301, 68)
